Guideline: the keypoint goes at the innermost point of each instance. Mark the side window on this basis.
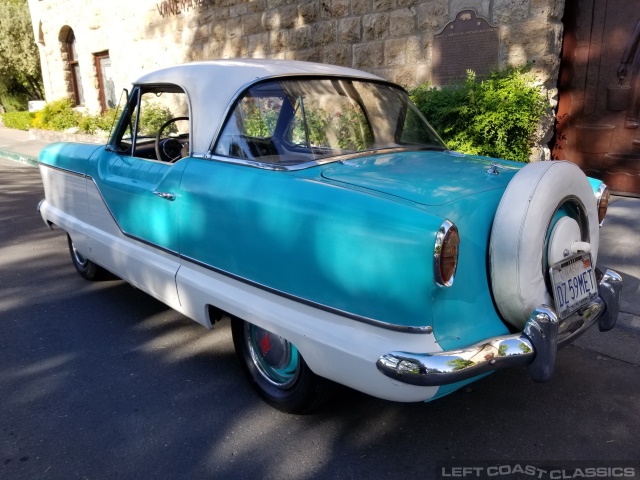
(332, 121)
(251, 130)
(155, 124)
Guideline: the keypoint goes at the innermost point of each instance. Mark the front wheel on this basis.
(276, 369)
(85, 267)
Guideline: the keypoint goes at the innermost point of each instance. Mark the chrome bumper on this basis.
(536, 346)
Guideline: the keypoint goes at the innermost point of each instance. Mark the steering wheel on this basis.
(171, 148)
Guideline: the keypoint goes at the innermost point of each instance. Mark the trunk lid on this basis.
(424, 177)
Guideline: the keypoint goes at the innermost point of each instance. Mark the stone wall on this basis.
(391, 38)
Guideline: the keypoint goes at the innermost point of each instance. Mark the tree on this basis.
(20, 74)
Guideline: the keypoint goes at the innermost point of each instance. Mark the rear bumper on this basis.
(536, 346)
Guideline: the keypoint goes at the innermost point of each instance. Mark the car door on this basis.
(135, 199)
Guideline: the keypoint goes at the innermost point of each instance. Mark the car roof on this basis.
(212, 85)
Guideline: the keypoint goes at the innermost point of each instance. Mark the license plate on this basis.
(574, 283)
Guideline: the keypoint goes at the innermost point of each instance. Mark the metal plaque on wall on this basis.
(467, 43)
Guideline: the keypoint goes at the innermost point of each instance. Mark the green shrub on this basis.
(152, 117)
(18, 120)
(58, 115)
(496, 116)
(96, 124)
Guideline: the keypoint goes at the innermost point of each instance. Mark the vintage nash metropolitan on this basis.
(315, 207)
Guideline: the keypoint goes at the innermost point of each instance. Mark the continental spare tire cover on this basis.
(523, 225)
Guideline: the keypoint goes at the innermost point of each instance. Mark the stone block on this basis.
(370, 54)
(288, 16)
(279, 41)
(252, 24)
(375, 26)
(308, 55)
(301, 38)
(308, 13)
(383, 5)
(432, 17)
(553, 9)
(325, 33)
(402, 22)
(361, 7)
(235, 48)
(349, 30)
(219, 31)
(395, 52)
(415, 50)
(481, 7)
(405, 76)
(527, 40)
(337, 55)
(270, 20)
(340, 8)
(258, 45)
(255, 6)
(423, 74)
(406, 3)
(234, 28)
(238, 9)
(510, 11)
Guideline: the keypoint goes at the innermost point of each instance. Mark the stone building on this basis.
(92, 49)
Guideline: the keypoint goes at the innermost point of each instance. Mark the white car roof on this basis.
(212, 85)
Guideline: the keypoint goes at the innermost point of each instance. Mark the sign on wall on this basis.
(467, 43)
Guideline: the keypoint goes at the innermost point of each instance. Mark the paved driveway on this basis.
(100, 381)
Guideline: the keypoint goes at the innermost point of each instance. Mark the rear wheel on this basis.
(276, 369)
(85, 267)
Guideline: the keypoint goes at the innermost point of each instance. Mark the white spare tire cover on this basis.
(519, 234)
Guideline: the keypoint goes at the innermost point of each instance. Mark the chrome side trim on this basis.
(536, 346)
(60, 169)
(311, 303)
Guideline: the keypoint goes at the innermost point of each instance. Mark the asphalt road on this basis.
(100, 381)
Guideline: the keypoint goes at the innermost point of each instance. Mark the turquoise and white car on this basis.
(314, 206)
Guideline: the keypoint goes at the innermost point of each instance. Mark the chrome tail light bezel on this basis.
(448, 232)
(602, 202)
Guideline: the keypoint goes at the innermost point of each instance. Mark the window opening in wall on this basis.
(74, 66)
(105, 80)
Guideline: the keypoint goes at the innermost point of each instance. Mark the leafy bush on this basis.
(58, 115)
(152, 117)
(495, 117)
(18, 120)
(101, 123)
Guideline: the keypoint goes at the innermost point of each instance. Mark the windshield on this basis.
(290, 122)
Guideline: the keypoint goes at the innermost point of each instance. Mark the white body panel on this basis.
(336, 347)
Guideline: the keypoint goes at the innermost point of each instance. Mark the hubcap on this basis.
(276, 359)
(80, 259)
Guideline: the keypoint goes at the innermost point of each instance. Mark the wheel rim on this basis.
(276, 359)
(78, 257)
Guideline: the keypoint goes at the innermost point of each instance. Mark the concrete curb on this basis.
(19, 157)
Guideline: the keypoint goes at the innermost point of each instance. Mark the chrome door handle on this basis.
(167, 196)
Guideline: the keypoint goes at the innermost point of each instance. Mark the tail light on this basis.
(602, 198)
(445, 254)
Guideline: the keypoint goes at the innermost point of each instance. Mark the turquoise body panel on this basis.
(127, 185)
(68, 156)
(325, 243)
(358, 239)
